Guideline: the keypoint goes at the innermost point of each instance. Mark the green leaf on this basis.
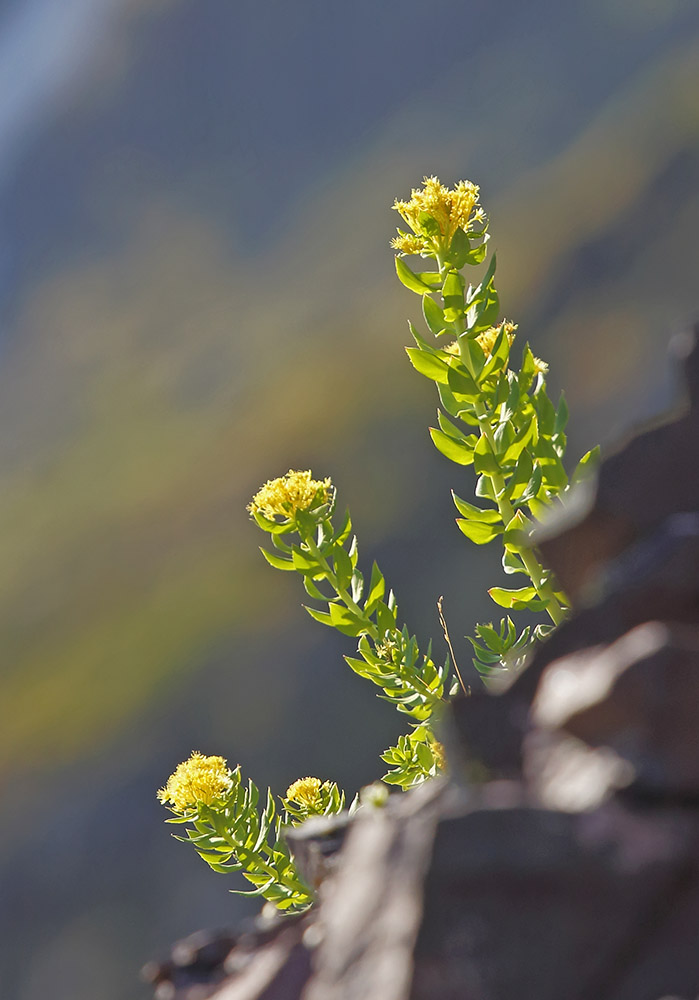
(386, 613)
(484, 461)
(460, 452)
(420, 340)
(346, 621)
(312, 590)
(428, 365)
(478, 531)
(461, 383)
(512, 563)
(561, 416)
(533, 486)
(459, 249)
(539, 506)
(305, 563)
(518, 600)
(320, 616)
(587, 466)
(431, 278)
(476, 255)
(377, 588)
(449, 401)
(359, 666)
(546, 413)
(485, 489)
(453, 291)
(277, 561)
(434, 317)
(503, 437)
(409, 279)
(521, 476)
(511, 404)
(471, 513)
(429, 224)
(528, 369)
(487, 277)
(451, 430)
(552, 467)
(525, 436)
(499, 355)
(424, 756)
(517, 532)
(483, 302)
(461, 252)
(344, 566)
(343, 532)
(476, 357)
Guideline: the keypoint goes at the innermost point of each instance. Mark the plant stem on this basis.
(350, 604)
(532, 565)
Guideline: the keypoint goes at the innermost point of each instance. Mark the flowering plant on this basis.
(495, 416)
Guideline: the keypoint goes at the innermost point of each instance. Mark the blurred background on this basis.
(197, 293)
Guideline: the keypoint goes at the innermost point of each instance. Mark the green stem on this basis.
(285, 880)
(418, 683)
(254, 863)
(371, 629)
(532, 565)
(350, 604)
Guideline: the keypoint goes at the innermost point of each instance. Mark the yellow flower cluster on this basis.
(199, 779)
(486, 340)
(451, 209)
(288, 494)
(440, 758)
(305, 792)
(386, 651)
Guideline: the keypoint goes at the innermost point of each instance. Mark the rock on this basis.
(537, 904)
(261, 960)
(637, 697)
(316, 846)
(372, 909)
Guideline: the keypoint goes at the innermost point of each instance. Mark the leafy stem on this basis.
(332, 578)
(534, 569)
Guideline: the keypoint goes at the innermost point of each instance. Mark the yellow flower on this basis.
(450, 209)
(199, 779)
(407, 243)
(440, 758)
(288, 494)
(487, 339)
(305, 792)
(540, 367)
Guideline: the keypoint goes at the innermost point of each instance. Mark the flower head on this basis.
(540, 367)
(487, 339)
(434, 213)
(289, 494)
(199, 779)
(312, 797)
(305, 792)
